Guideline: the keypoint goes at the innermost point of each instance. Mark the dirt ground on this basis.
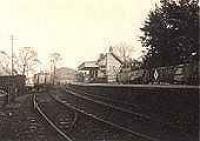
(19, 122)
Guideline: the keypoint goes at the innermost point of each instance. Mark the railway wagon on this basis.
(137, 77)
(42, 80)
(180, 74)
(14, 84)
(3, 97)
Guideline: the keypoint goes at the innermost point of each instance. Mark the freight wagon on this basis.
(14, 84)
(42, 80)
(180, 74)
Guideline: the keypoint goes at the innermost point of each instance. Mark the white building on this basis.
(105, 69)
(109, 66)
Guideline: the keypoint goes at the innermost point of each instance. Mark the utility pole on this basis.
(12, 66)
(53, 68)
(127, 71)
(54, 71)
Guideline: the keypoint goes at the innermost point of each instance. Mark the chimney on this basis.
(111, 49)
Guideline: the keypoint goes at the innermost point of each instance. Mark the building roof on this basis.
(42, 73)
(116, 57)
(103, 56)
(88, 65)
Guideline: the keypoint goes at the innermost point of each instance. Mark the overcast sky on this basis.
(78, 29)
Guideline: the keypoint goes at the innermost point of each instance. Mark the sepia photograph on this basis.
(99, 70)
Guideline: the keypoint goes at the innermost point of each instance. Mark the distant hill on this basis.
(65, 74)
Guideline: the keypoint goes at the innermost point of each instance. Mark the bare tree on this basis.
(26, 60)
(54, 59)
(123, 51)
(4, 61)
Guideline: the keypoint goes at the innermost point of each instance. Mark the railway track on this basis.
(107, 99)
(106, 114)
(42, 108)
(19, 122)
(134, 123)
(113, 103)
(124, 106)
(89, 114)
(89, 127)
(164, 113)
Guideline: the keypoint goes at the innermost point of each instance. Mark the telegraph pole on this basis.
(12, 66)
(54, 72)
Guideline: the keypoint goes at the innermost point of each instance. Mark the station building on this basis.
(88, 71)
(105, 69)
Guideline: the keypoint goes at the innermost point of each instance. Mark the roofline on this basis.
(87, 62)
(116, 57)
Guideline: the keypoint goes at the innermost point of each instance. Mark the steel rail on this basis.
(116, 107)
(105, 121)
(107, 99)
(37, 107)
(110, 105)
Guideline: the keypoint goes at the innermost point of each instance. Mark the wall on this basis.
(112, 68)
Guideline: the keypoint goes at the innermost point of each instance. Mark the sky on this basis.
(77, 29)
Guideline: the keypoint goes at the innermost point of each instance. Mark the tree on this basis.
(54, 59)
(170, 34)
(26, 60)
(123, 51)
(4, 61)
